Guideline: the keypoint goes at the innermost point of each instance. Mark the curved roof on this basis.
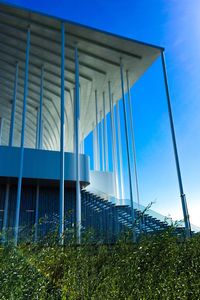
(99, 62)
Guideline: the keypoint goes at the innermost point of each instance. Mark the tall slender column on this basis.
(94, 146)
(77, 117)
(1, 130)
(41, 109)
(113, 142)
(82, 145)
(121, 173)
(102, 144)
(105, 135)
(37, 211)
(12, 122)
(37, 129)
(182, 194)
(16, 229)
(133, 141)
(127, 150)
(62, 134)
(39, 146)
(97, 133)
(5, 216)
(11, 137)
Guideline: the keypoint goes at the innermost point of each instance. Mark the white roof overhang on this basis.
(99, 62)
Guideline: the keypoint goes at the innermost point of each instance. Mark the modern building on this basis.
(59, 83)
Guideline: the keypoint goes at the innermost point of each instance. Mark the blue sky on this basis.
(175, 25)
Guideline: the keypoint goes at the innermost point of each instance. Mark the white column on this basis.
(37, 211)
(37, 128)
(121, 174)
(1, 130)
(133, 140)
(182, 194)
(83, 145)
(102, 144)
(62, 135)
(127, 150)
(105, 135)
(77, 117)
(19, 187)
(40, 121)
(97, 134)
(12, 121)
(11, 137)
(113, 142)
(94, 147)
(5, 215)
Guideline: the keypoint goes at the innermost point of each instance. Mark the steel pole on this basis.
(1, 130)
(105, 135)
(182, 194)
(133, 141)
(77, 116)
(41, 108)
(39, 146)
(62, 135)
(102, 144)
(127, 150)
(83, 145)
(97, 134)
(5, 216)
(113, 142)
(12, 122)
(94, 146)
(121, 173)
(37, 130)
(115, 151)
(16, 228)
(37, 212)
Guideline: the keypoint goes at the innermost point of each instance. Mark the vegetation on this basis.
(161, 266)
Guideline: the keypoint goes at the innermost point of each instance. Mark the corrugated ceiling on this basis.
(99, 58)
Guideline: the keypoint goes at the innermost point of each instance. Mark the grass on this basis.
(161, 266)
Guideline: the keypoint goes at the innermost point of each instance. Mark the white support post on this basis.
(17, 213)
(1, 130)
(37, 211)
(178, 169)
(82, 145)
(39, 145)
(94, 147)
(62, 135)
(77, 118)
(102, 144)
(12, 122)
(121, 173)
(113, 142)
(37, 129)
(127, 151)
(40, 121)
(5, 216)
(97, 134)
(133, 141)
(105, 135)
(11, 137)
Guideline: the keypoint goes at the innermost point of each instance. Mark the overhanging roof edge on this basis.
(82, 25)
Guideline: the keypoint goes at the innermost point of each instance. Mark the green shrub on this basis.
(161, 266)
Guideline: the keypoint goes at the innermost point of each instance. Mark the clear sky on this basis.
(175, 25)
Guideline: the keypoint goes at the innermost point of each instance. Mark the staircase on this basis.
(109, 220)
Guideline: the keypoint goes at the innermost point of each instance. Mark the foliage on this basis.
(161, 266)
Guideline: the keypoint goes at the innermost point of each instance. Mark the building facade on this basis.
(59, 83)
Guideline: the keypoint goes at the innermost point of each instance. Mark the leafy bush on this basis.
(161, 266)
